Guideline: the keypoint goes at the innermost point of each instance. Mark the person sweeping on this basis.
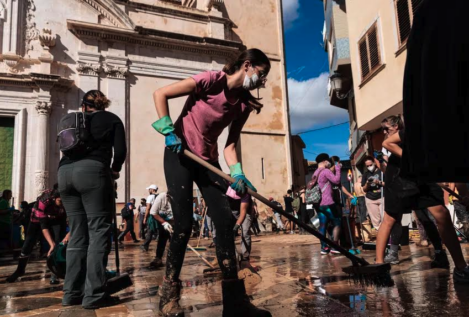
(217, 99)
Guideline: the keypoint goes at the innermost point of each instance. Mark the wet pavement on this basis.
(296, 281)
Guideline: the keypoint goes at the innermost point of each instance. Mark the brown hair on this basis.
(96, 99)
(257, 58)
(394, 120)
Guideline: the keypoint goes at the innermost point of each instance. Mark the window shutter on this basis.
(403, 18)
(375, 59)
(364, 58)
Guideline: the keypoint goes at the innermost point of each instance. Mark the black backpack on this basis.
(125, 213)
(73, 134)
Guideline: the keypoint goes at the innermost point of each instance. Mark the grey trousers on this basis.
(211, 226)
(141, 226)
(246, 241)
(86, 190)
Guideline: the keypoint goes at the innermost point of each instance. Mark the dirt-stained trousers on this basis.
(181, 173)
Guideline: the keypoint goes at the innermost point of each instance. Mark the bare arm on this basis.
(346, 192)
(231, 157)
(163, 94)
(49, 239)
(242, 213)
(333, 178)
(147, 213)
(158, 218)
(392, 144)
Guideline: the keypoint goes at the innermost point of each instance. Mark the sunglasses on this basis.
(262, 74)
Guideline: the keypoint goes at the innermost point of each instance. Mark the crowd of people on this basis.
(404, 177)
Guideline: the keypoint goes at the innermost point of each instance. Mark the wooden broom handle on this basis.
(351, 257)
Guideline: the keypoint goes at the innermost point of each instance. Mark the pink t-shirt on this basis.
(207, 113)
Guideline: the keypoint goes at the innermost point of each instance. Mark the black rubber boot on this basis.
(170, 294)
(236, 302)
(20, 270)
(440, 260)
(156, 263)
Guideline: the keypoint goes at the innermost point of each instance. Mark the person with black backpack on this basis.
(94, 149)
(127, 214)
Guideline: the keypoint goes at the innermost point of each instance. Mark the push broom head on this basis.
(118, 283)
(371, 274)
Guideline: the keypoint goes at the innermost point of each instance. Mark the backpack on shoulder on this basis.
(73, 134)
(313, 195)
(125, 213)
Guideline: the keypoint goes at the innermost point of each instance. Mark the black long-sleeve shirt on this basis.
(108, 133)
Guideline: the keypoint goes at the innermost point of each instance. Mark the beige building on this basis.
(53, 51)
(377, 32)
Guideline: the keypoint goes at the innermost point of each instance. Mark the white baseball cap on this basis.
(153, 186)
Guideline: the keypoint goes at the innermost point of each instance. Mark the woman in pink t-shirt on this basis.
(217, 99)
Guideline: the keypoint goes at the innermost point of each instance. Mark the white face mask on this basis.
(371, 168)
(251, 83)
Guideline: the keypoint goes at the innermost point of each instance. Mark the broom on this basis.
(120, 281)
(361, 271)
(453, 193)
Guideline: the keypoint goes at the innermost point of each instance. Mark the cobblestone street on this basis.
(296, 281)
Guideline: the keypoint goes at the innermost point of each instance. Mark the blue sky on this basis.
(308, 71)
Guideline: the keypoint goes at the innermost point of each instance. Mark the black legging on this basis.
(180, 173)
(32, 236)
(428, 225)
(34, 233)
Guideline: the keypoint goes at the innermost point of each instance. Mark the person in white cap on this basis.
(153, 192)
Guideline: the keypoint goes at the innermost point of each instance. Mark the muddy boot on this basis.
(22, 261)
(440, 260)
(156, 263)
(236, 302)
(170, 293)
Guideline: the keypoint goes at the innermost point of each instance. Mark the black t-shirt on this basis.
(374, 190)
(108, 131)
(288, 204)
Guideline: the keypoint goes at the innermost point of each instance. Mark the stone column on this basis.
(41, 179)
(115, 88)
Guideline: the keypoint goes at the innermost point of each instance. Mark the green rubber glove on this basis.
(164, 125)
(241, 181)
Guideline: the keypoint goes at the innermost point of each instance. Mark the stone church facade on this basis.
(53, 51)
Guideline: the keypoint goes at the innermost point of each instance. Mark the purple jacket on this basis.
(324, 181)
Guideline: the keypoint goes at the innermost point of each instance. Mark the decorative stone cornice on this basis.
(89, 69)
(180, 11)
(43, 107)
(115, 71)
(34, 80)
(112, 12)
(159, 39)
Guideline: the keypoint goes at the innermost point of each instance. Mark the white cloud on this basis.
(290, 12)
(309, 104)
